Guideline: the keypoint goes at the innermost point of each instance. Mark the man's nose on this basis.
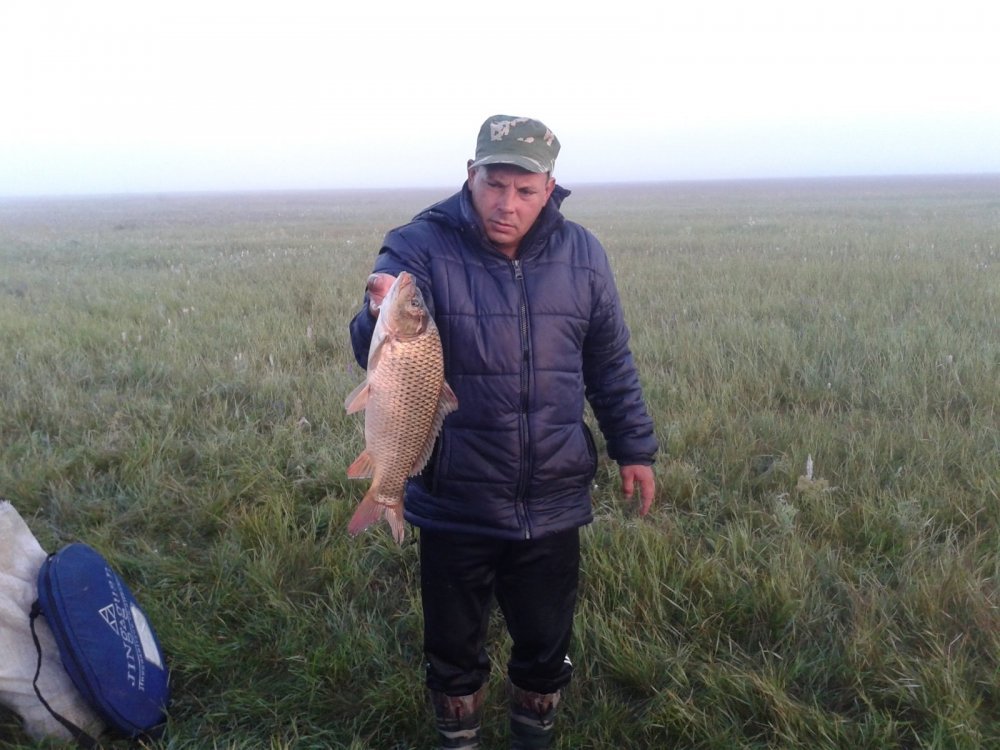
(506, 201)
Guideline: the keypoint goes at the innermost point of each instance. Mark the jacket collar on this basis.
(457, 212)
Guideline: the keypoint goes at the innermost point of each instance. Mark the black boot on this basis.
(458, 718)
(532, 718)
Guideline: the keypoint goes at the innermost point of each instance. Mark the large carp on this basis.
(405, 398)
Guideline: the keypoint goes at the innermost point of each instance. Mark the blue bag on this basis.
(105, 642)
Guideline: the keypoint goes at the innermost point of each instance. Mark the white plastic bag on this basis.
(21, 557)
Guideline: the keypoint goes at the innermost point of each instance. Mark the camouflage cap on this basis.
(520, 141)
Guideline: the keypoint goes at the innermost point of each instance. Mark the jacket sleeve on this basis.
(362, 327)
(611, 377)
(398, 253)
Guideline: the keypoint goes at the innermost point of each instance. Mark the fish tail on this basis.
(368, 513)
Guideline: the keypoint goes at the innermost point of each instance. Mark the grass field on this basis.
(172, 373)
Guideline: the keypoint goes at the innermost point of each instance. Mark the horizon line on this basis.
(180, 192)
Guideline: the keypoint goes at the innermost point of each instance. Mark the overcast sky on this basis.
(111, 96)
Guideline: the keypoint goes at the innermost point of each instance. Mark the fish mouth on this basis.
(403, 286)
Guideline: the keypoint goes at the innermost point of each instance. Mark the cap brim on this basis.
(517, 160)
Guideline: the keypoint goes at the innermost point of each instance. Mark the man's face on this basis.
(508, 199)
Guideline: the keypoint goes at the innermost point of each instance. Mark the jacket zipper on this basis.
(522, 487)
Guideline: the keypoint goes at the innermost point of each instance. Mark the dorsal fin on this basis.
(447, 403)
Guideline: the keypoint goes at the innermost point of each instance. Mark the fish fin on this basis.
(447, 403)
(363, 466)
(394, 515)
(358, 398)
(368, 513)
(375, 353)
(382, 338)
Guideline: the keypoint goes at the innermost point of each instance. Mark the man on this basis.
(531, 326)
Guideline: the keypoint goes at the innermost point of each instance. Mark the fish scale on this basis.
(405, 388)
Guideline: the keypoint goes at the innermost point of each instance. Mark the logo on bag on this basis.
(109, 616)
(116, 616)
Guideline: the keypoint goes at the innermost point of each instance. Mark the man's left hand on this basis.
(634, 474)
(378, 286)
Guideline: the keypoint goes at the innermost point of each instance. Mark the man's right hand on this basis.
(378, 286)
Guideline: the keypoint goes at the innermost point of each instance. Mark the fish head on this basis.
(404, 304)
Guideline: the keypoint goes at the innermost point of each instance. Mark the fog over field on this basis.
(119, 97)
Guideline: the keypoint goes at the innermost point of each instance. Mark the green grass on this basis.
(172, 372)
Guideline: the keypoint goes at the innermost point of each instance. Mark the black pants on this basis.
(535, 584)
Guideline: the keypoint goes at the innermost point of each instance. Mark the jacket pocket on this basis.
(429, 476)
(592, 453)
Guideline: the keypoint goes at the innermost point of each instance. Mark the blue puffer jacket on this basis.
(525, 341)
